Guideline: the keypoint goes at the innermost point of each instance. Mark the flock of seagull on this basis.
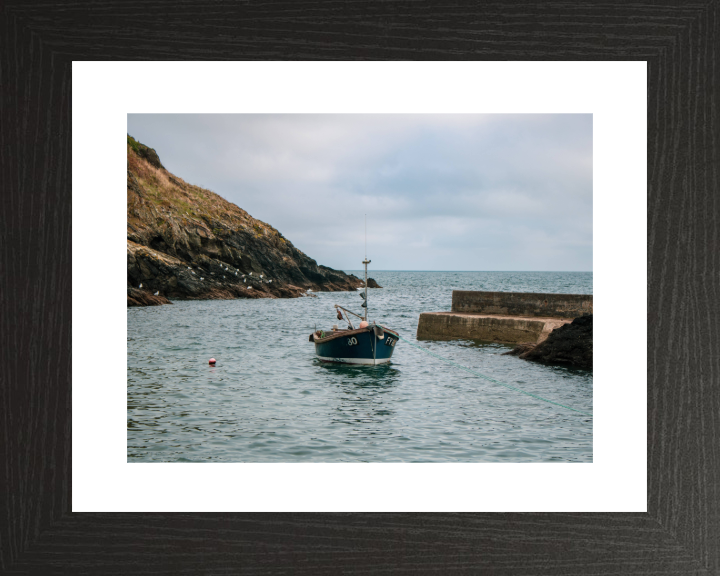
(269, 281)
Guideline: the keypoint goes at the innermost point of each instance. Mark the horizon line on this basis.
(398, 270)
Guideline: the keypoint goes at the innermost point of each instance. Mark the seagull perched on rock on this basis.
(157, 293)
(245, 280)
(202, 278)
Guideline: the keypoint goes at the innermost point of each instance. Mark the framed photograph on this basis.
(260, 330)
(75, 501)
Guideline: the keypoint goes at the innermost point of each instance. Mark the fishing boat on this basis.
(369, 343)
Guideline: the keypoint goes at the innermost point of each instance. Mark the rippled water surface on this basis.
(269, 400)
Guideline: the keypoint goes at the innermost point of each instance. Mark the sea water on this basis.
(268, 399)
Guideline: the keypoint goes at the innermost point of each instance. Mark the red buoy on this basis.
(212, 361)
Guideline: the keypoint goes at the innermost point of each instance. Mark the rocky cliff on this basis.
(185, 242)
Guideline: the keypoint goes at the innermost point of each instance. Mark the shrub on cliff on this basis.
(145, 152)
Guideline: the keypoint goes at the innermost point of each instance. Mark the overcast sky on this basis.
(441, 192)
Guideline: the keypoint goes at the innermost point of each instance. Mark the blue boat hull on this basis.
(355, 347)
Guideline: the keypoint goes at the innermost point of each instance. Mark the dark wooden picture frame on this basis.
(680, 533)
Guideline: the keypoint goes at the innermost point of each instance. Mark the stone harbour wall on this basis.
(522, 304)
(507, 317)
(509, 330)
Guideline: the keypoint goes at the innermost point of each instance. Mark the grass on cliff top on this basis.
(134, 144)
(179, 200)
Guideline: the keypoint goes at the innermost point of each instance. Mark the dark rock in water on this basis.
(188, 243)
(570, 344)
(373, 284)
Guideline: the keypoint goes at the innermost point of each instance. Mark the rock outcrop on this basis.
(569, 344)
(140, 297)
(186, 242)
(373, 284)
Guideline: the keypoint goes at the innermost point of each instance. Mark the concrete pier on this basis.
(507, 317)
(522, 303)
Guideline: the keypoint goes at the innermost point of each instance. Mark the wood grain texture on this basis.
(681, 531)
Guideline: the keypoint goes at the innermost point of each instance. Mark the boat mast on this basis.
(366, 262)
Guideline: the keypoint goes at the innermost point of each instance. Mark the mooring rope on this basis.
(488, 377)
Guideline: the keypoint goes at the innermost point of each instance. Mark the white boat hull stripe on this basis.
(369, 361)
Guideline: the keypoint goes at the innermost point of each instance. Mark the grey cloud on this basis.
(448, 192)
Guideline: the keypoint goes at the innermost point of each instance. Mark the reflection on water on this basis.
(269, 399)
(362, 399)
(380, 375)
